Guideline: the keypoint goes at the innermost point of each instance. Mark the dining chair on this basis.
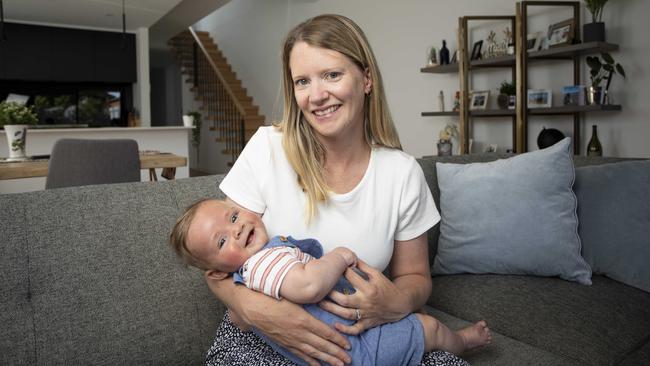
(78, 162)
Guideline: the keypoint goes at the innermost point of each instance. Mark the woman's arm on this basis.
(410, 270)
(379, 300)
(285, 323)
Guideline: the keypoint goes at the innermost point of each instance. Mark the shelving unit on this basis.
(519, 63)
(463, 66)
(571, 53)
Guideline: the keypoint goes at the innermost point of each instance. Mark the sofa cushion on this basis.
(512, 216)
(599, 324)
(428, 165)
(614, 215)
(104, 286)
(16, 323)
(503, 351)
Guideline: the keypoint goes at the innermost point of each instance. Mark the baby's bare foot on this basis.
(476, 335)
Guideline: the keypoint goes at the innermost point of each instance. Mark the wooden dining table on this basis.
(39, 167)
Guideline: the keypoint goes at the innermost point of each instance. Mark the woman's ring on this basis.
(358, 314)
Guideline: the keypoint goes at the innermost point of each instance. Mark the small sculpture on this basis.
(444, 145)
(456, 107)
(491, 44)
(441, 102)
(444, 53)
(431, 56)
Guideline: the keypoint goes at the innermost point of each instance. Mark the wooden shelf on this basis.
(499, 61)
(559, 110)
(474, 113)
(571, 51)
(441, 69)
(439, 114)
(570, 109)
(563, 52)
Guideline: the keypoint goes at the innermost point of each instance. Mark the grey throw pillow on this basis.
(614, 214)
(511, 216)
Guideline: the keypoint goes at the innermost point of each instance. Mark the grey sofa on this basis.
(88, 278)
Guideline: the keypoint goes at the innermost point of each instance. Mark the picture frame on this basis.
(534, 41)
(479, 100)
(573, 95)
(476, 50)
(561, 34)
(539, 98)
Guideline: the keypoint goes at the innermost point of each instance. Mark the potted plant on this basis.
(15, 118)
(507, 91)
(595, 31)
(600, 71)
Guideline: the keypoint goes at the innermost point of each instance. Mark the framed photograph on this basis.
(476, 50)
(534, 41)
(479, 100)
(573, 95)
(539, 98)
(561, 34)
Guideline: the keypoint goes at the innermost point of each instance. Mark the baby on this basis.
(222, 239)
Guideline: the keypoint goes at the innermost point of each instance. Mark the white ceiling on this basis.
(94, 14)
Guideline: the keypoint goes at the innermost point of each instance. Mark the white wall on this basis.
(250, 32)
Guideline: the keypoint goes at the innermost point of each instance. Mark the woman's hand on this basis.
(378, 300)
(287, 324)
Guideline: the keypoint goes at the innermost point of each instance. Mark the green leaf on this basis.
(607, 57)
(620, 70)
(608, 67)
(594, 63)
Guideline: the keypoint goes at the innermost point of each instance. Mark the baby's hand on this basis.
(348, 255)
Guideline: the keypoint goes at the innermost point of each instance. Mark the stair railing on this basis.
(219, 100)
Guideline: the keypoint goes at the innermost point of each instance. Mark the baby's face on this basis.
(224, 236)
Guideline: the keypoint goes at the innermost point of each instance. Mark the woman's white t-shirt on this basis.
(391, 202)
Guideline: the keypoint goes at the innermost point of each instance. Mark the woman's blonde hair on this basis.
(304, 152)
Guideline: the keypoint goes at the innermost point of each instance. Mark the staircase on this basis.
(224, 102)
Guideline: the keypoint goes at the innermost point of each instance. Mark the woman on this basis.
(332, 169)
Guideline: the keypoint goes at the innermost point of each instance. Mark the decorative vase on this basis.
(444, 148)
(16, 141)
(549, 137)
(188, 121)
(594, 148)
(594, 95)
(594, 32)
(512, 101)
(503, 100)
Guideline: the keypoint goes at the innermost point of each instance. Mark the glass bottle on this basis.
(594, 148)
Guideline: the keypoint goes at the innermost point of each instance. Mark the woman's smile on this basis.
(326, 112)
